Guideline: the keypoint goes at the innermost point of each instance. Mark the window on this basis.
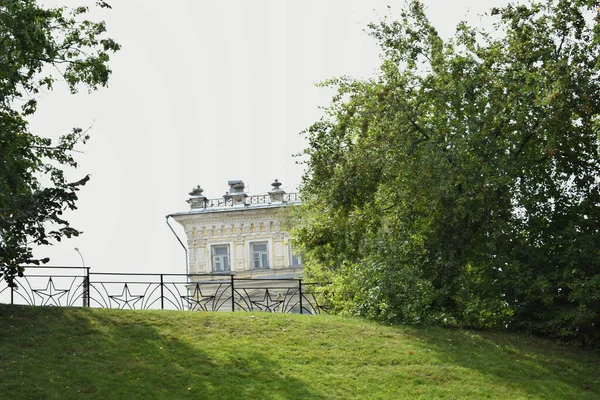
(296, 258)
(260, 255)
(220, 258)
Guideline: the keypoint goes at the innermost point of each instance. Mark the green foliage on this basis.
(37, 47)
(461, 184)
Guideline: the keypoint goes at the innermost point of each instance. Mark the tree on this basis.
(461, 184)
(39, 47)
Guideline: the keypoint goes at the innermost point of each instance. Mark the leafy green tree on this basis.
(39, 47)
(461, 184)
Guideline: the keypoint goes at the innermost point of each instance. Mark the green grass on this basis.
(71, 353)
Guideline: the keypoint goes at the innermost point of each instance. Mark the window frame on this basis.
(213, 255)
(252, 255)
(299, 258)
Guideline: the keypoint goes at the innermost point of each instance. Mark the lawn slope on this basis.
(76, 353)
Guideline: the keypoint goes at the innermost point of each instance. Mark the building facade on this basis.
(239, 234)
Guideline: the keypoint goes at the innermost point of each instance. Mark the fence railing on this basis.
(76, 287)
(260, 199)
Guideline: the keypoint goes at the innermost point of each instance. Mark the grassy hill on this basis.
(74, 353)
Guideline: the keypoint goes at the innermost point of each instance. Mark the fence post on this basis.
(162, 293)
(300, 291)
(232, 295)
(86, 288)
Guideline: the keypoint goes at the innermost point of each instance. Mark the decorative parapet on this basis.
(236, 197)
(260, 199)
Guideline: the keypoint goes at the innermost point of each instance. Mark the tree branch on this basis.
(418, 128)
(531, 134)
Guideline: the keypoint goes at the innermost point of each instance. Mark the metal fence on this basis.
(80, 287)
(259, 199)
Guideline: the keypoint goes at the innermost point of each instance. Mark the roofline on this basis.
(201, 211)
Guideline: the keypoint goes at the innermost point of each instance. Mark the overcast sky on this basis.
(203, 92)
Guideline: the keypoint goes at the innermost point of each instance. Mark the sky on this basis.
(204, 92)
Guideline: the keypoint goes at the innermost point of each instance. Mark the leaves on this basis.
(37, 47)
(461, 184)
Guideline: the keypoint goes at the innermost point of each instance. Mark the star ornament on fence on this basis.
(269, 302)
(126, 299)
(198, 301)
(50, 295)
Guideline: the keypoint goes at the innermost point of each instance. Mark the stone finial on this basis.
(197, 191)
(276, 193)
(197, 199)
(236, 191)
(276, 185)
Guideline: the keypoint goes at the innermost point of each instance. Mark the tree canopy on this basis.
(460, 185)
(38, 48)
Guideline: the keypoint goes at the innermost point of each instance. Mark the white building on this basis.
(239, 234)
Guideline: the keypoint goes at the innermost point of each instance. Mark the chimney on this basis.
(236, 192)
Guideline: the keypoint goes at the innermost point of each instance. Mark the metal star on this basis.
(126, 299)
(268, 303)
(51, 294)
(197, 300)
